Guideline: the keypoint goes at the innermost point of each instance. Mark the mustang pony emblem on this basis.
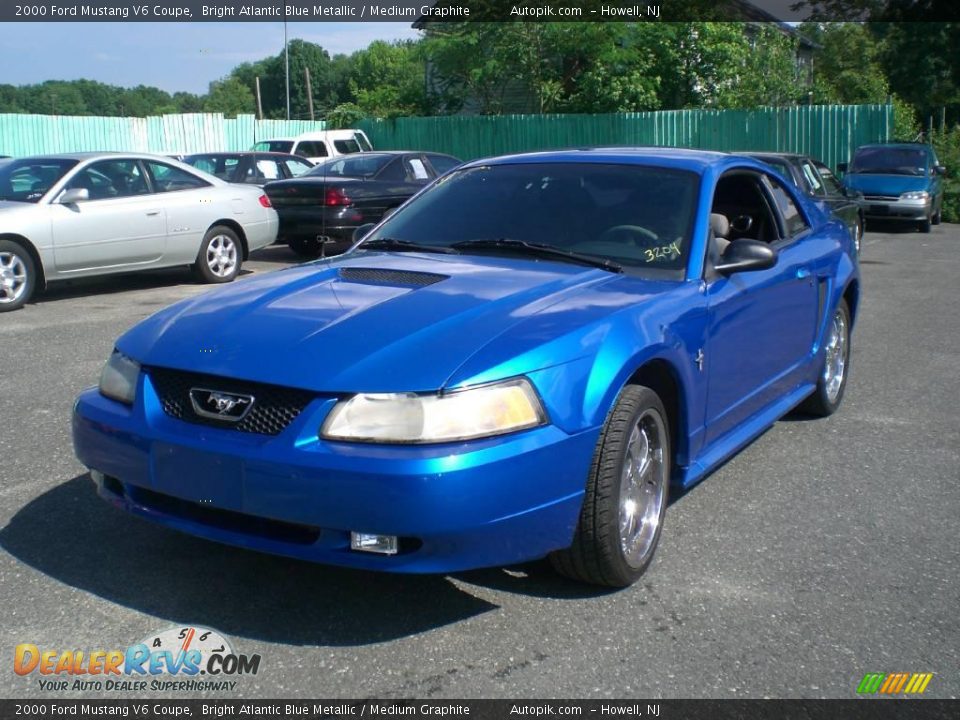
(218, 405)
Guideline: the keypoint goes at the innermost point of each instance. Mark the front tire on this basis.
(626, 495)
(18, 276)
(858, 236)
(836, 364)
(220, 256)
(925, 225)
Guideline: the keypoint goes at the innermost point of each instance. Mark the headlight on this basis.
(118, 380)
(408, 418)
(915, 195)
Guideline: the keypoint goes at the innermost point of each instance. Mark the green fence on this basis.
(828, 132)
(22, 135)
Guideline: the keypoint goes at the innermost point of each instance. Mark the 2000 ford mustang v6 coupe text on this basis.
(518, 363)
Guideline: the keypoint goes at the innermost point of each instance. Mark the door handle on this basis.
(151, 213)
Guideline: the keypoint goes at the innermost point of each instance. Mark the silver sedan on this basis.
(67, 216)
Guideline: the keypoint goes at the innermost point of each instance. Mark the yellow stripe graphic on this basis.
(926, 681)
(915, 680)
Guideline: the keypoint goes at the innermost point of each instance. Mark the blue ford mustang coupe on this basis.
(518, 363)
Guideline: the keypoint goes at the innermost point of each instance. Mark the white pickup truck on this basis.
(318, 146)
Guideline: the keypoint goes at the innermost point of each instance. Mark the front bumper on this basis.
(896, 208)
(455, 507)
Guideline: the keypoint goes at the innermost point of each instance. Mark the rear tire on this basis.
(626, 495)
(836, 366)
(18, 276)
(220, 256)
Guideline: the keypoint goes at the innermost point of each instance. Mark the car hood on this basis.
(885, 184)
(369, 321)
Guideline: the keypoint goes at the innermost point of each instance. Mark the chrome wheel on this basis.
(222, 256)
(14, 279)
(643, 486)
(836, 360)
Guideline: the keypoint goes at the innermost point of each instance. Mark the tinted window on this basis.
(361, 165)
(28, 180)
(363, 142)
(224, 167)
(833, 186)
(282, 146)
(110, 179)
(814, 183)
(346, 147)
(263, 170)
(295, 168)
(890, 161)
(638, 216)
(792, 217)
(442, 163)
(167, 178)
(312, 148)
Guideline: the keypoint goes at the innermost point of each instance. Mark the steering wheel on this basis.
(641, 236)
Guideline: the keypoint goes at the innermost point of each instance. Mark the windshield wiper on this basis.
(406, 246)
(540, 249)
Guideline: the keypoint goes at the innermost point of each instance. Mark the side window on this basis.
(416, 170)
(830, 182)
(312, 148)
(167, 178)
(395, 171)
(442, 163)
(111, 179)
(295, 168)
(793, 220)
(813, 179)
(265, 170)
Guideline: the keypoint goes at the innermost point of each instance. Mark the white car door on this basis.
(121, 225)
(191, 204)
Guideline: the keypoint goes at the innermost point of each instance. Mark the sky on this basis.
(170, 56)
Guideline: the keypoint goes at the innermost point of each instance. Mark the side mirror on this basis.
(74, 195)
(940, 169)
(842, 167)
(361, 232)
(744, 255)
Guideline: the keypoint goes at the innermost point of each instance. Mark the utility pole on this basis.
(306, 71)
(286, 59)
(259, 100)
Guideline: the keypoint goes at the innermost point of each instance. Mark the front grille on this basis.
(881, 197)
(274, 407)
(377, 276)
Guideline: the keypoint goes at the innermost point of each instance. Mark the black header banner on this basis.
(881, 709)
(433, 11)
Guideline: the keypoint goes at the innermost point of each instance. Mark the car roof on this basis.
(906, 145)
(680, 158)
(92, 155)
(244, 153)
(769, 154)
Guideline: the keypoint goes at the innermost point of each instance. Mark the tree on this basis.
(230, 97)
(387, 79)
(847, 67)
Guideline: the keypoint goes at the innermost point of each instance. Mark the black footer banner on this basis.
(865, 709)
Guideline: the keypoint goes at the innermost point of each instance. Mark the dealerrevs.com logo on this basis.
(190, 659)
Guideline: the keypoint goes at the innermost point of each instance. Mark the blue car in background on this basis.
(519, 363)
(899, 181)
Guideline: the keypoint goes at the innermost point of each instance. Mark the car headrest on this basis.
(719, 225)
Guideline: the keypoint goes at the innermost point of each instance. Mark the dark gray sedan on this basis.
(320, 210)
(817, 181)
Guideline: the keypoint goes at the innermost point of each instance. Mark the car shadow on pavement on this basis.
(74, 537)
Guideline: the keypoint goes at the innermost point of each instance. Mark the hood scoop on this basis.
(379, 276)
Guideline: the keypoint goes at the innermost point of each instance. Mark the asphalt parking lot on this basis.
(825, 550)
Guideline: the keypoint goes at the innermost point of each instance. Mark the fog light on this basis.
(380, 544)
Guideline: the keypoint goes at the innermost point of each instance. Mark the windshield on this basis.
(280, 146)
(29, 179)
(359, 165)
(889, 161)
(638, 217)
